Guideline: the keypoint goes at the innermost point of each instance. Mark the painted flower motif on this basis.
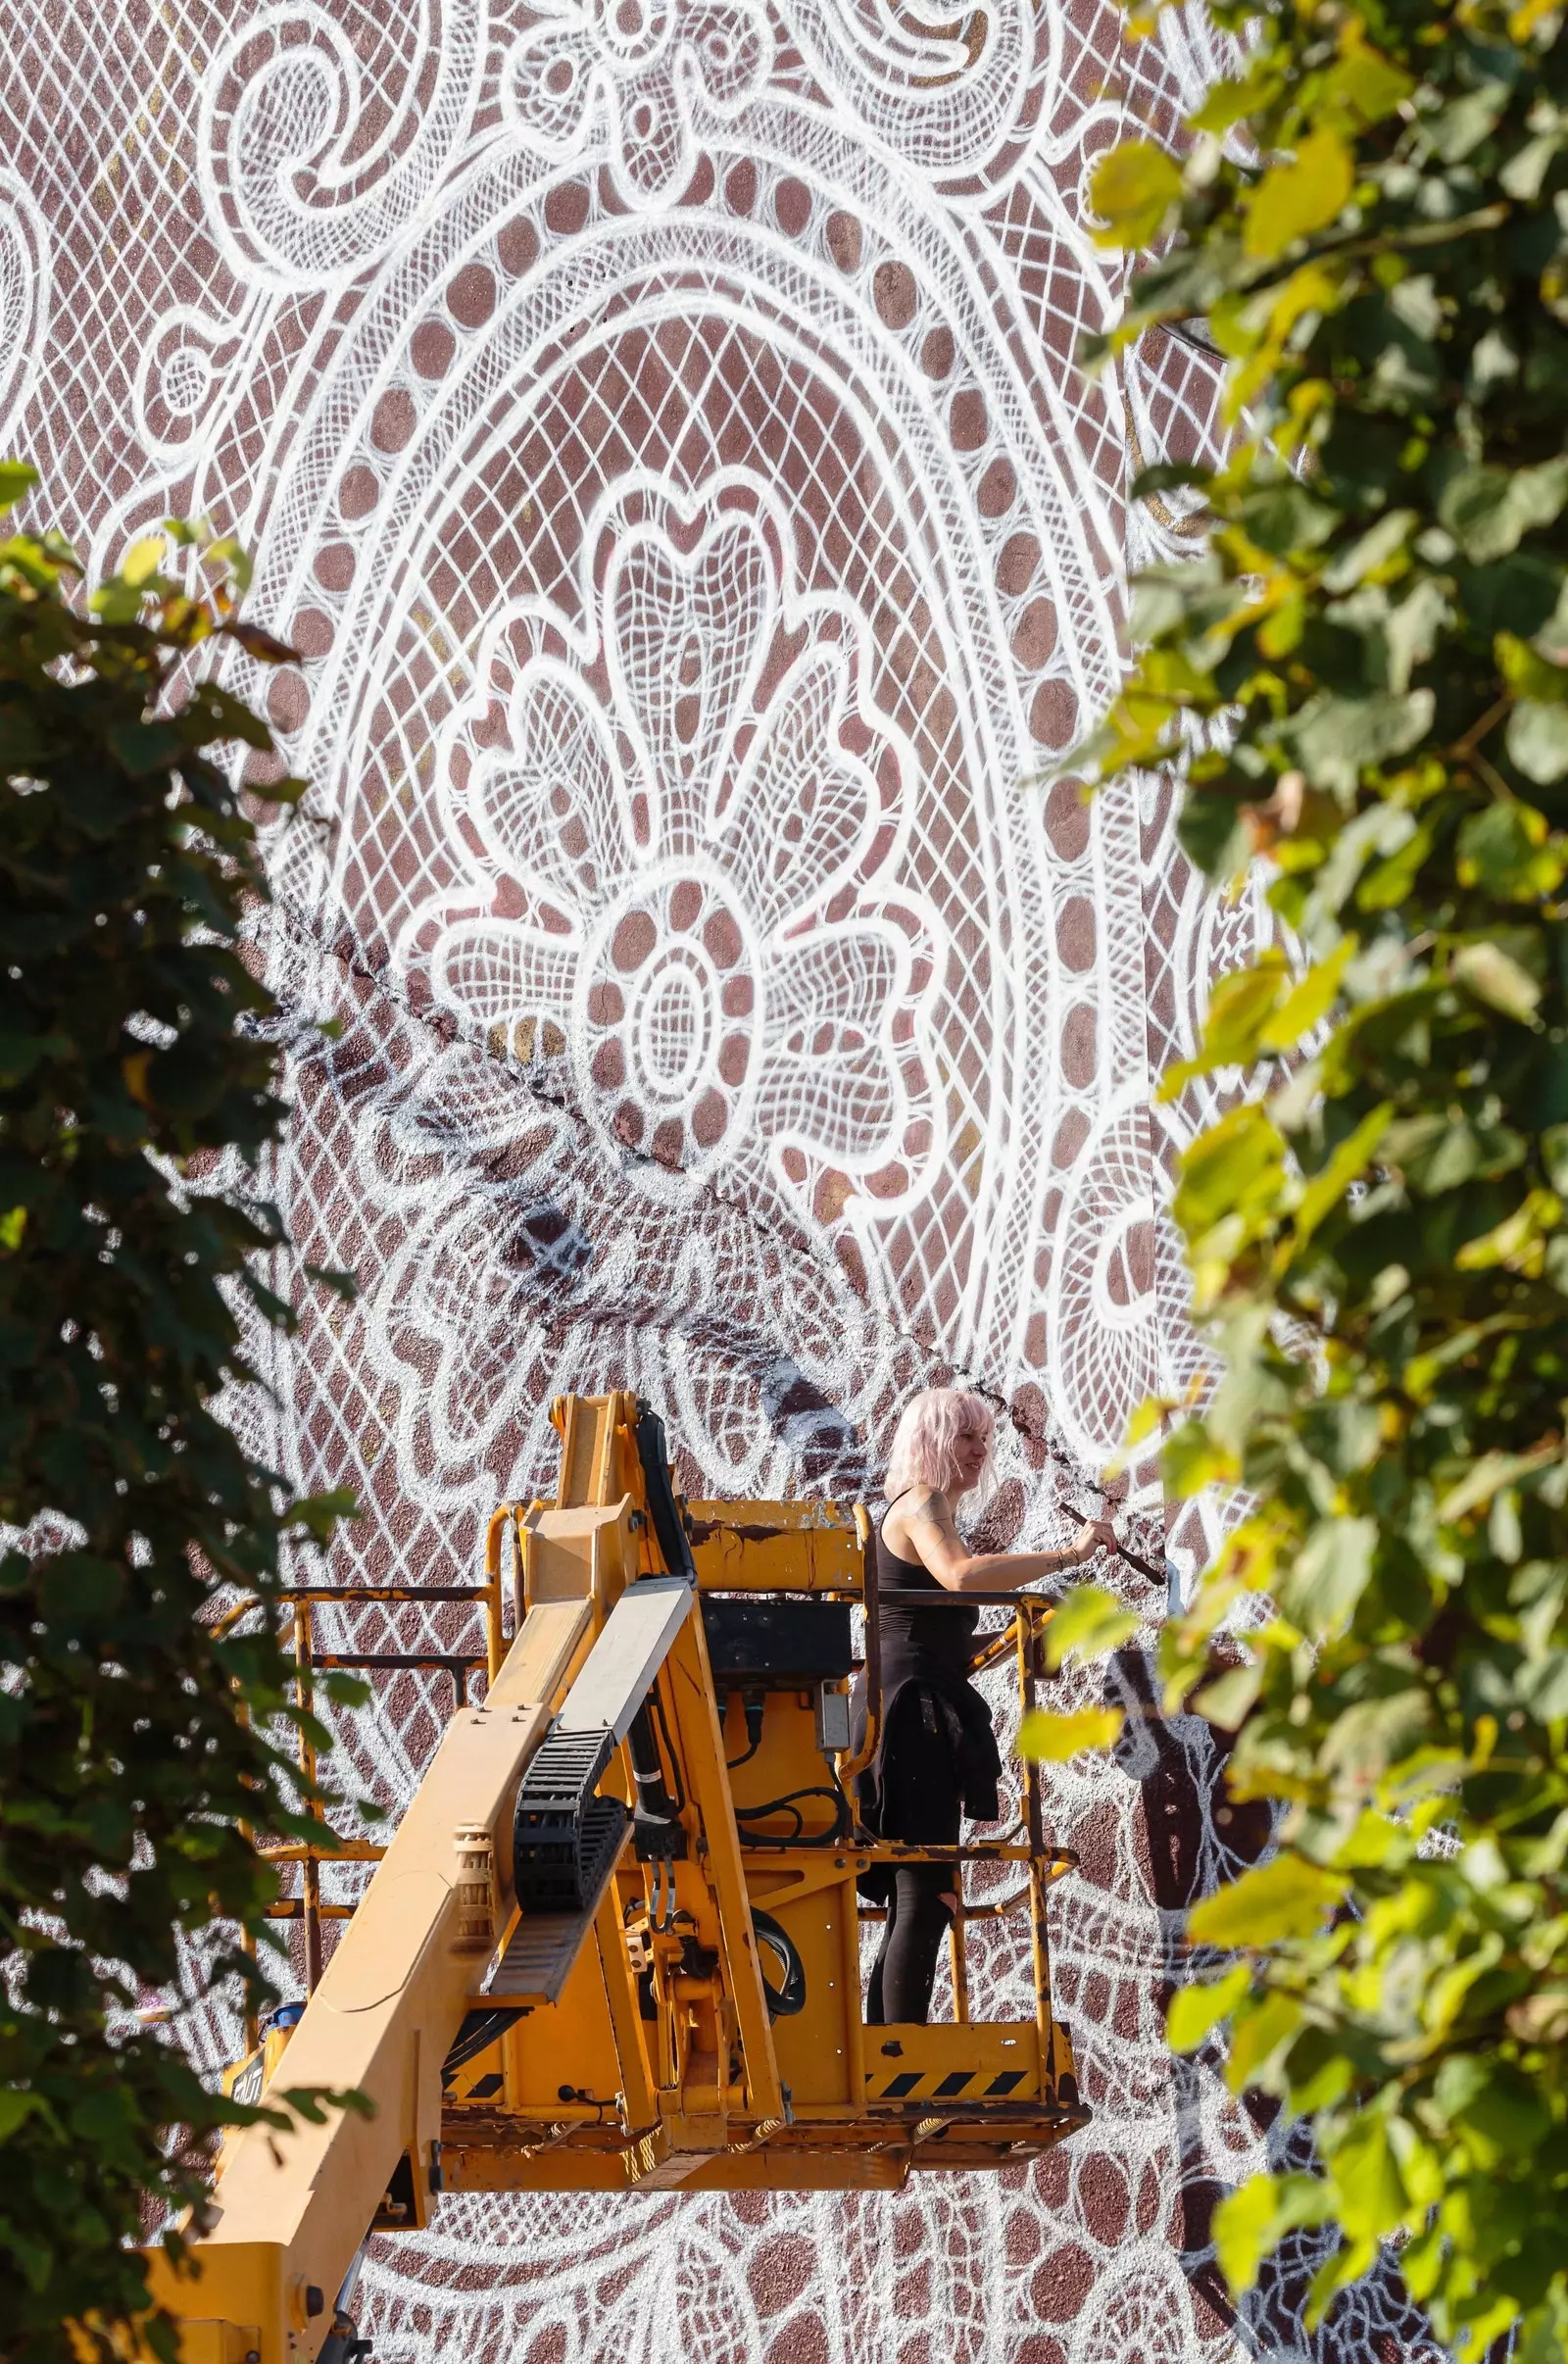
(646, 63)
(683, 824)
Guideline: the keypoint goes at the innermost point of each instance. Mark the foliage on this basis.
(1055, 1738)
(132, 1049)
(1366, 677)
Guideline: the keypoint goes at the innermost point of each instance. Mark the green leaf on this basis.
(1498, 980)
(1543, 2336)
(1264, 2025)
(1251, 2222)
(1357, 690)
(1052, 1739)
(232, 555)
(1538, 740)
(1525, 173)
(1516, 596)
(1391, 882)
(1281, 517)
(1191, 1459)
(1368, 2186)
(1131, 189)
(1332, 1571)
(1365, 1739)
(1464, 123)
(1489, 509)
(1489, 1475)
(1348, 1162)
(1087, 1622)
(136, 1739)
(1230, 102)
(1292, 200)
(1371, 551)
(1337, 739)
(15, 2109)
(21, 1054)
(1543, 1692)
(16, 479)
(1195, 2010)
(1496, 2104)
(1365, 85)
(1237, 1162)
(1507, 849)
(1515, 1244)
(1410, 631)
(1527, 672)
(1239, 1006)
(144, 748)
(1228, 1697)
(143, 559)
(1287, 1898)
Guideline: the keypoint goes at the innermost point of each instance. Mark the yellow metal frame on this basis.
(659, 2064)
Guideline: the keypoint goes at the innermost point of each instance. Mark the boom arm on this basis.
(292, 2209)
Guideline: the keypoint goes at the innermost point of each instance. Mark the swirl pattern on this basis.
(25, 283)
(309, 169)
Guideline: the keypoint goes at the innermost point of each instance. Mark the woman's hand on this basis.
(1094, 1535)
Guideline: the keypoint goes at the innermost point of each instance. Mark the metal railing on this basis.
(300, 1604)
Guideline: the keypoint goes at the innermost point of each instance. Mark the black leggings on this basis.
(920, 1804)
(905, 1969)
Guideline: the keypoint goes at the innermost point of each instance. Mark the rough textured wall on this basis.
(657, 425)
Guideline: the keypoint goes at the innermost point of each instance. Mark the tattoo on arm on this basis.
(929, 1511)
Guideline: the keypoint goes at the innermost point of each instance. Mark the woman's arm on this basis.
(928, 1527)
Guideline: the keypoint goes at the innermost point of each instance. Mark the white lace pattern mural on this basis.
(659, 428)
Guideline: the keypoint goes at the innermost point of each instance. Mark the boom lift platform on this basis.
(614, 1942)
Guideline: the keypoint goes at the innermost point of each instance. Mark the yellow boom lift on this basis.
(614, 1943)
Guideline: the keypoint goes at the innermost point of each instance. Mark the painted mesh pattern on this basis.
(657, 425)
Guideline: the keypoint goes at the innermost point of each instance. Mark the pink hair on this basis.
(925, 1441)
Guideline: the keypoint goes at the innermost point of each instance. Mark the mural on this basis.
(658, 426)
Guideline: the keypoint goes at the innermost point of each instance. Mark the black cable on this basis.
(478, 2032)
(653, 1450)
(753, 1704)
(657, 1706)
(837, 1836)
(653, 1800)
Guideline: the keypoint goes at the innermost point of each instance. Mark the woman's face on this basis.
(969, 1454)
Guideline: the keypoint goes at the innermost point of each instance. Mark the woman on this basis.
(936, 1757)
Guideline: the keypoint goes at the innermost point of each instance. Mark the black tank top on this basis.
(919, 1645)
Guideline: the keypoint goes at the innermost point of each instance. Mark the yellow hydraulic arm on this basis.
(292, 2209)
